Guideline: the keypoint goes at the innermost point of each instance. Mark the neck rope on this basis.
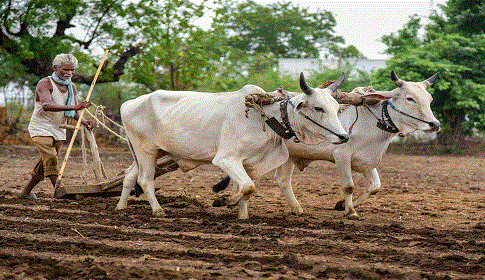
(70, 97)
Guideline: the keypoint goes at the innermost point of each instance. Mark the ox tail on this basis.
(138, 189)
(222, 185)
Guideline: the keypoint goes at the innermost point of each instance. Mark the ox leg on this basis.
(283, 179)
(146, 179)
(129, 182)
(236, 171)
(345, 172)
(374, 186)
(242, 212)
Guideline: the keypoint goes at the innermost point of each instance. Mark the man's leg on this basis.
(30, 185)
(53, 179)
(54, 175)
(37, 176)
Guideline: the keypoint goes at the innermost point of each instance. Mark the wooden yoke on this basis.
(351, 98)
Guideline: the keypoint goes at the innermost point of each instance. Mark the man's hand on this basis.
(89, 124)
(84, 104)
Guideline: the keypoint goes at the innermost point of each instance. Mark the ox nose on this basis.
(435, 126)
(343, 138)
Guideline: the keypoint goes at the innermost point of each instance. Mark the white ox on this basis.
(367, 144)
(196, 128)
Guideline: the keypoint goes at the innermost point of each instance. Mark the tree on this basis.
(460, 16)
(345, 55)
(179, 53)
(284, 30)
(404, 39)
(34, 31)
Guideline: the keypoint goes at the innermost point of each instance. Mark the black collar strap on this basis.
(386, 123)
(284, 117)
(282, 129)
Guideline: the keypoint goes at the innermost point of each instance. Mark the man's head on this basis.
(64, 65)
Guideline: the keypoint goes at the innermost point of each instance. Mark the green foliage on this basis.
(177, 53)
(268, 79)
(404, 39)
(280, 28)
(461, 16)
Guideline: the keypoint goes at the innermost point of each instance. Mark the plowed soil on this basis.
(427, 222)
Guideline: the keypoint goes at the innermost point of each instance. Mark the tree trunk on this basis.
(455, 135)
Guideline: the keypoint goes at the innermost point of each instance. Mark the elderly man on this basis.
(55, 100)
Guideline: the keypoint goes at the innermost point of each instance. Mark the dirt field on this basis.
(427, 222)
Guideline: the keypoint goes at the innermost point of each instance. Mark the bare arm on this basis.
(43, 94)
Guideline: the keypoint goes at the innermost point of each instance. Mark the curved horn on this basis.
(398, 82)
(304, 86)
(335, 85)
(428, 82)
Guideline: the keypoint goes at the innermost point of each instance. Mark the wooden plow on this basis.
(109, 187)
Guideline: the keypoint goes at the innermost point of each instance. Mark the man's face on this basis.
(65, 71)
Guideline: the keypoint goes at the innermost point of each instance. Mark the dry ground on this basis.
(427, 222)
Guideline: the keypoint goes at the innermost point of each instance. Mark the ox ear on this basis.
(304, 86)
(428, 82)
(398, 82)
(379, 95)
(335, 85)
(300, 105)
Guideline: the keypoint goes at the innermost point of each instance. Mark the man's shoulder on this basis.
(44, 83)
(45, 80)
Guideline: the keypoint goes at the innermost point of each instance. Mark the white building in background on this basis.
(293, 66)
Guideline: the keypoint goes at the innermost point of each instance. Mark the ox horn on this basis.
(398, 82)
(304, 86)
(428, 82)
(335, 85)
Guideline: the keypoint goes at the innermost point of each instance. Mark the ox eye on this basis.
(410, 99)
(319, 109)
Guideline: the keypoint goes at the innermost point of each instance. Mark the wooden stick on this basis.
(78, 124)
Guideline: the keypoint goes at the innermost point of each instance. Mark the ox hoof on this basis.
(353, 216)
(120, 208)
(220, 201)
(298, 211)
(243, 217)
(340, 206)
(158, 212)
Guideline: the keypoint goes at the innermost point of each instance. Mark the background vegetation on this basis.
(223, 45)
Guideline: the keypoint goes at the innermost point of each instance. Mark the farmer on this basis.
(55, 100)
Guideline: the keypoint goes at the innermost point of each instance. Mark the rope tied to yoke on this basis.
(256, 100)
